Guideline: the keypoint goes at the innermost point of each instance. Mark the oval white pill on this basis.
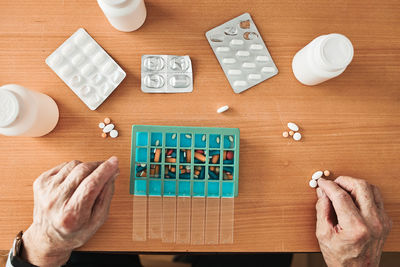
(313, 183)
(101, 125)
(188, 136)
(173, 136)
(108, 128)
(293, 126)
(203, 138)
(231, 138)
(218, 140)
(114, 134)
(222, 109)
(297, 136)
(317, 175)
(157, 142)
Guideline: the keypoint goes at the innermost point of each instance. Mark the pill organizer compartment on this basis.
(184, 161)
(242, 53)
(86, 68)
(166, 74)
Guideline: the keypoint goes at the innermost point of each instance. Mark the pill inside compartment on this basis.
(170, 155)
(180, 64)
(184, 171)
(199, 172)
(185, 156)
(141, 170)
(154, 63)
(154, 81)
(185, 140)
(180, 81)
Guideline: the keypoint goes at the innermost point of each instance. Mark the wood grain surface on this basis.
(351, 124)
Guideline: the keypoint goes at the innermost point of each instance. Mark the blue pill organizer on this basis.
(184, 161)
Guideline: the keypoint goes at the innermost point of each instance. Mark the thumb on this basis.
(324, 214)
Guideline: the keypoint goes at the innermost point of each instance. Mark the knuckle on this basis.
(82, 169)
(361, 233)
(74, 163)
(341, 195)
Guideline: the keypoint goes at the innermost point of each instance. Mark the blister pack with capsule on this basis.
(166, 74)
(242, 53)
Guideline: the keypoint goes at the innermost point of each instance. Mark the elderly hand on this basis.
(352, 224)
(71, 203)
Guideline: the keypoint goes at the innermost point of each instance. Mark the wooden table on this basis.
(350, 125)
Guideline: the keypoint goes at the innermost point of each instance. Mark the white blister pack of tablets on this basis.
(242, 53)
(166, 74)
(86, 68)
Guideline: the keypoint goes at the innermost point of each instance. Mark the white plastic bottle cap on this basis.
(114, 2)
(336, 52)
(9, 107)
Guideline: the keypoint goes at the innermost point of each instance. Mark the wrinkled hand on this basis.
(71, 203)
(352, 224)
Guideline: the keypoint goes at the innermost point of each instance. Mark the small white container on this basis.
(26, 113)
(124, 15)
(324, 58)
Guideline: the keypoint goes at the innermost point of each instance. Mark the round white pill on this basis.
(222, 109)
(297, 136)
(101, 125)
(317, 175)
(108, 128)
(313, 183)
(292, 126)
(114, 134)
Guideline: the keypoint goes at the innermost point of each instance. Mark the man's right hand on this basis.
(352, 224)
(71, 203)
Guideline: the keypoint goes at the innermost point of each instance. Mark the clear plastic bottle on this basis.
(324, 58)
(124, 15)
(26, 113)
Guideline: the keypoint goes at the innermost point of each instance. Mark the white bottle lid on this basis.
(336, 52)
(114, 2)
(9, 107)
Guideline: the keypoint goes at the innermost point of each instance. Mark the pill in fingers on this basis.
(327, 173)
(107, 120)
(313, 183)
(317, 175)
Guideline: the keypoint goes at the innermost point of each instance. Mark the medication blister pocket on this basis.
(166, 74)
(86, 68)
(242, 53)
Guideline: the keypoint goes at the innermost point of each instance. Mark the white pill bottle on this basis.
(324, 58)
(124, 15)
(26, 113)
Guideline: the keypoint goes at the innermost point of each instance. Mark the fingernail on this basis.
(320, 192)
(113, 160)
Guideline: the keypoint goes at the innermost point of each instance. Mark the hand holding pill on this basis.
(352, 224)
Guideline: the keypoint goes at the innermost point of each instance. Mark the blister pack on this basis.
(166, 74)
(86, 68)
(242, 53)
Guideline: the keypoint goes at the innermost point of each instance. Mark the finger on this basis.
(64, 171)
(102, 205)
(361, 192)
(324, 212)
(377, 197)
(90, 188)
(54, 170)
(346, 211)
(76, 176)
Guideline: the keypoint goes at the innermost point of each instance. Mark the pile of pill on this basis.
(293, 131)
(108, 129)
(318, 174)
(185, 156)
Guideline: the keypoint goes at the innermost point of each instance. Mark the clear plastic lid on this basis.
(9, 107)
